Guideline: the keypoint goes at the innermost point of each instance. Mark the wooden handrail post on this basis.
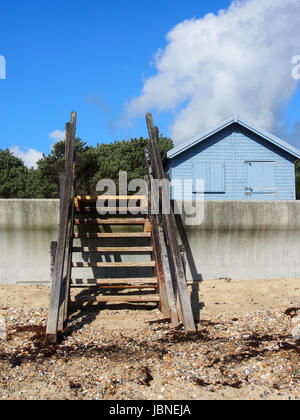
(57, 298)
(166, 290)
(170, 231)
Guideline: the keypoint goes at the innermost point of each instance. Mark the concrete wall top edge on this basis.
(245, 215)
(29, 214)
(29, 199)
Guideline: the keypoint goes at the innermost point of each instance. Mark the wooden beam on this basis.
(69, 244)
(112, 264)
(170, 231)
(119, 286)
(115, 299)
(113, 250)
(123, 222)
(167, 297)
(115, 210)
(64, 234)
(111, 197)
(143, 280)
(112, 235)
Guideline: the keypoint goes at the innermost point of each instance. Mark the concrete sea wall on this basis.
(27, 228)
(238, 239)
(244, 240)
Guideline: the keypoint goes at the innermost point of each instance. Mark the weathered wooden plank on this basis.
(122, 222)
(170, 230)
(117, 287)
(143, 280)
(69, 244)
(108, 250)
(111, 197)
(112, 264)
(114, 210)
(112, 235)
(53, 248)
(64, 234)
(166, 290)
(115, 299)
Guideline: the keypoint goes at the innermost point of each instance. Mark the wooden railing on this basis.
(168, 224)
(61, 270)
(160, 253)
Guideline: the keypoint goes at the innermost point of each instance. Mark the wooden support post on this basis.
(183, 256)
(57, 297)
(53, 248)
(170, 231)
(167, 297)
(69, 245)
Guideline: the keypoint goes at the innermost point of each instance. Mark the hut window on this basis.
(261, 177)
(213, 175)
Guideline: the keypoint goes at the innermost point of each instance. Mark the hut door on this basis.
(260, 179)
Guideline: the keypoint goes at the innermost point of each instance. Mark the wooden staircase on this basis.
(120, 273)
(116, 249)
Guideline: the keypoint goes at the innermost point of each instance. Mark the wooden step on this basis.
(112, 235)
(110, 250)
(112, 210)
(111, 197)
(115, 299)
(122, 222)
(117, 287)
(112, 264)
(115, 281)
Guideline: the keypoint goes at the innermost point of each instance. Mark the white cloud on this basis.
(57, 135)
(29, 157)
(236, 61)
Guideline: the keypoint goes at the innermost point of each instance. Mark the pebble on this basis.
(151, 361)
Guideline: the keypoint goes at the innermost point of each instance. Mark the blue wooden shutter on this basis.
(216, 177)
(213, 174)
(199, 173)
(261, 177)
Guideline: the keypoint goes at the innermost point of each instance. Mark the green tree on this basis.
(46, 178)
(125, 156)
(92, 165)
(13, 176)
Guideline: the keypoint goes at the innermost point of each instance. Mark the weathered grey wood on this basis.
(115, 299)
(110, 222)
(57, 297)
(183, 256)
(114, 250)
(112, 235)
(167, 297)
(112, 197)
(170, 230)
(112, 287)
(53, 248)
(69, 245)
(113, 264)
(144, 280)
(115, 210)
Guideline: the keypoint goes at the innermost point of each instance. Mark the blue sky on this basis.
(90, 56)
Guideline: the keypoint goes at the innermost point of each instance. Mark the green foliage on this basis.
(92, 164)
(125, 156)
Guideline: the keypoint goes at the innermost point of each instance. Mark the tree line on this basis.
(92, 164)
